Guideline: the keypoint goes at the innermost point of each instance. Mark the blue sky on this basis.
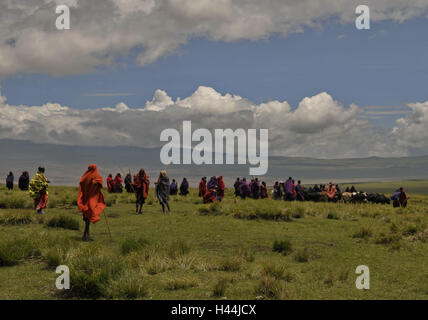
(384, 66)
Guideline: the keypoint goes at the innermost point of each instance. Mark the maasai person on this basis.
(211, 193)
(110, 183)
(128, 183)
(220, 188)
(184, 187)
(9, 181)
(277, 191)
(299, 191)
(90, 199)
(264, 191)
(173, 189)
(289, 189)
(39, 190)
(162, 191)
(141, 187)
(255, 189)
(117, 184)
(294, 190)
(24, 181)
(347, 190)
(244, 189)
(353, 189)
(236, 186)
(399, 198)
(202, 187)
(316, 188)
(331, 192)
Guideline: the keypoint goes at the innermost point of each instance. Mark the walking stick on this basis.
(108, 228)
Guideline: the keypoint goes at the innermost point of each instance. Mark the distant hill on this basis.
(65, 164)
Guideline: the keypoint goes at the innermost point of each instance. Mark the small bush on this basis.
(298, 212)
(333, 216)
(283, 246)
(271, 288)
(231, 264)
(91, 272)
(131, 244)
(14, 251)
(178, 248)
(127, 286)
(180, 284)
(383, 238)
(301, 255)
(410, 229)
(363, 233)
(220, 287)
(277, 271)
(16, 219)
(64, 222)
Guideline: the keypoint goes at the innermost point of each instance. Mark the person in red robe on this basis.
(210, 194)
(331, 191)
(220, 188)
(90, 199)
(110, 183)
(202, 186)
(117, 184)
(264, 193)
(141, 188)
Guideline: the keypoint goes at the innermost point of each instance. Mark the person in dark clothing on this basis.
(353, 189)
(24, 181)
(162, 191)
(277, 191)
(299, 191)
(255, 189)
(184, 187)
(236, 186)
(173, 189)
(399, 198)
(9, 181)
(128, 183)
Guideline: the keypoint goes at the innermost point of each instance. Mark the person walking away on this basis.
(90, 199)
(38, 190)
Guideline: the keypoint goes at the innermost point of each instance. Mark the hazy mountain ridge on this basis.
(65, 164)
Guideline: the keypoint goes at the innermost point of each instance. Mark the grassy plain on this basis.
(237, 249)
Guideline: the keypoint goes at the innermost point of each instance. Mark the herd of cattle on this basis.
(347, 197)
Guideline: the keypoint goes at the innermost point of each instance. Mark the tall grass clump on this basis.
(64, 222)
(14, 251)
(282, 246)
(131, 244)
(220, 287)
(363, 233)
(301, 255)
(91, 273)
(271, 288)
(16, 219)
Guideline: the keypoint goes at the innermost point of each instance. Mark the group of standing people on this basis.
(213, 190)
(23, 182)
(290, 191)
(114, 185)
(254, 189)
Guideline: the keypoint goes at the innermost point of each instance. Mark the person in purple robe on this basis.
(289, 189)
(173, 189)
(184, 187)
(244, 188)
